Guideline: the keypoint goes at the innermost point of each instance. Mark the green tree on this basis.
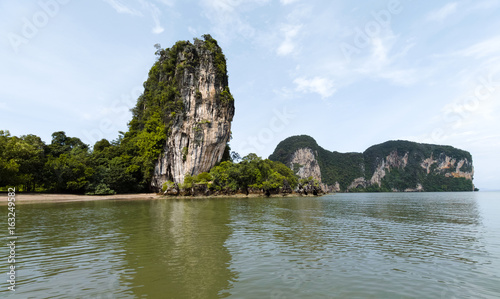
(69, 172)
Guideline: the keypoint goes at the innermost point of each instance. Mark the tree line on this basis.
(67, 165)
(124, 165)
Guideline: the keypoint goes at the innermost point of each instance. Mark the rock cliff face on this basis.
(390, 166)
(446, 166)
(305, 165)
(410, 166)
(197, 136)
(303, 155)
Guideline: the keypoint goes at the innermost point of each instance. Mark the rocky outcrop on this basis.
(310, 187)
(393, 160)
(394, 167)
(427, 163)
(419, 188)
(359, 182)
(197, 137)
(305, 165)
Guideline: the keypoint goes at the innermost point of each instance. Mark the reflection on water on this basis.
(176, 252)
(432, 245)
(164, 249)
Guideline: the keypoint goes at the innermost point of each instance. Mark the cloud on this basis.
(322, 86)
(400, 77)
(155, 14)
(228, 18)
(144, 7)
(483, 49)
(286, 2)
(119, 7)
(380, 48)
(442, 13)
(388, 60)
(288, 45)
(167, 2)
(192, 31)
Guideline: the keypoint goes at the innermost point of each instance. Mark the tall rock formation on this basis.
(390, 166)
(191, 84)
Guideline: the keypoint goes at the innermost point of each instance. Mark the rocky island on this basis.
(389, 166)
(194, 76)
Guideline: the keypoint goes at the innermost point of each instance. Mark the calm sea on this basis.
(388, 245)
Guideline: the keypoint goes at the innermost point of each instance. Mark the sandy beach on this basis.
(27, 198)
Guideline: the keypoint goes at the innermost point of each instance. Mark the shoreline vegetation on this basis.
(33, 198)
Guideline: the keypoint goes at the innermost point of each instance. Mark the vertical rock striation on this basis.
(197, 135)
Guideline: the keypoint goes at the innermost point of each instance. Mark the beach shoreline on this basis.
(30, 198)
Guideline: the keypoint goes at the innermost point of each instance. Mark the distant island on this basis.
(177, 144)
(390, 166)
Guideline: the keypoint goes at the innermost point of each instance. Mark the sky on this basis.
(350, 74)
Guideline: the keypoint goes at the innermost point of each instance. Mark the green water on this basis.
(425, 245)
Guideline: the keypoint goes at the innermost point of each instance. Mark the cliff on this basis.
(335, 171)
(390, 166)
(188, 88)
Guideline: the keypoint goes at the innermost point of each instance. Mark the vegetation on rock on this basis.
(125, 164)
(252, 174)
(335, 166)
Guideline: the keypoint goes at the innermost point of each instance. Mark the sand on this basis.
(39, 198)
(30, 198)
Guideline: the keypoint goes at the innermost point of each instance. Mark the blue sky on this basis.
(348, 73)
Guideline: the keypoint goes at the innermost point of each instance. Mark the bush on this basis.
(101, 189)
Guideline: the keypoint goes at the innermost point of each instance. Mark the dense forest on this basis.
(67, 165)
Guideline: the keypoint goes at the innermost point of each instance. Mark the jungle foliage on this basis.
(252, 172)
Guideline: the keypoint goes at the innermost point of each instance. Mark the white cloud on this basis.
(225, 16)
(400, 77)
(167, 2)
(155, 13)
(192, 31)
(120, 7)
(322, 86)
(286, 2)
(483, 49)
(288, 44)
(386, 61)
(145, 7)
(379, 51)
(442, 13)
